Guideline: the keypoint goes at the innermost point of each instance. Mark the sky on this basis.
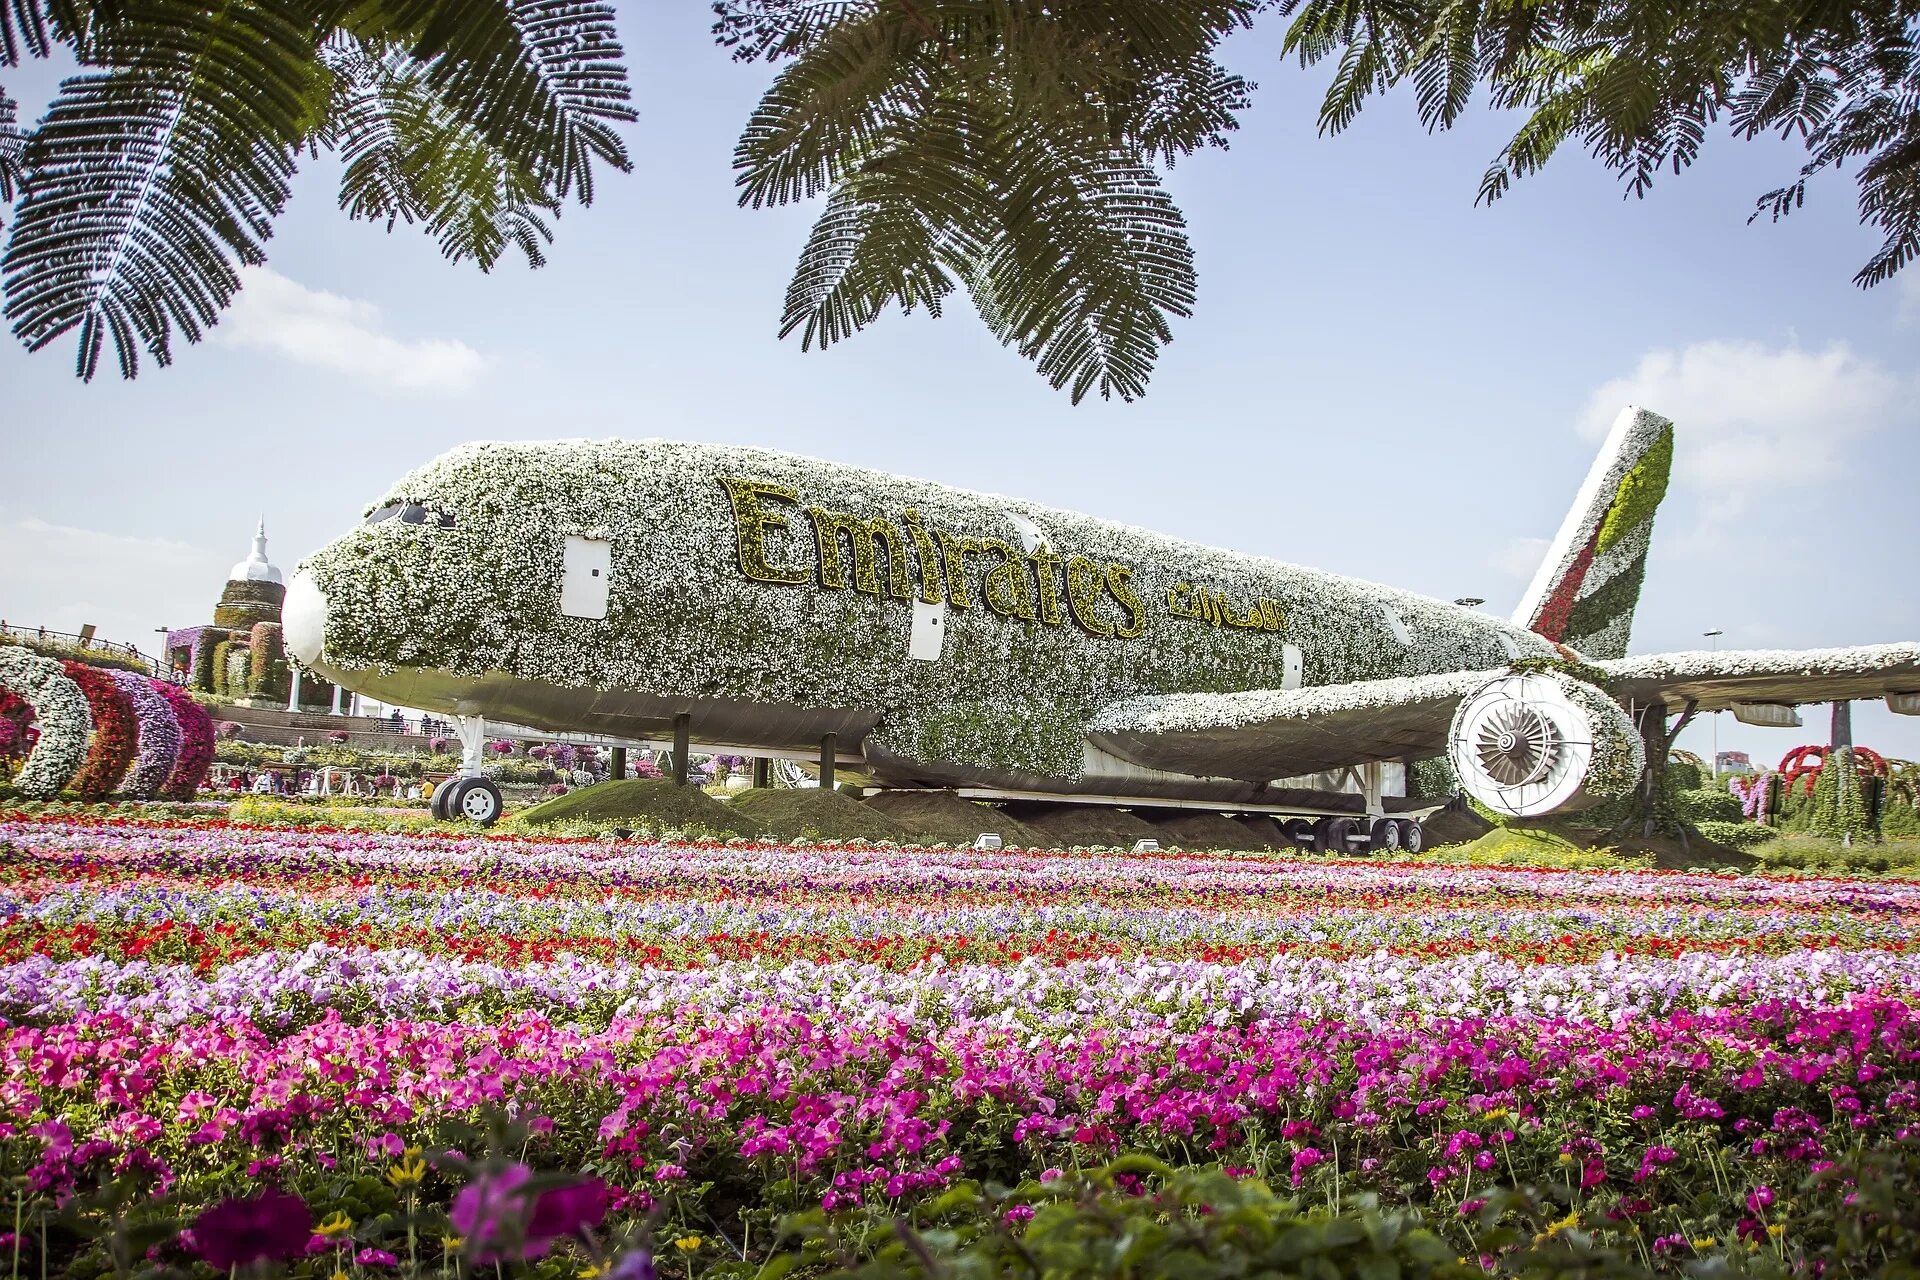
(1380, 378)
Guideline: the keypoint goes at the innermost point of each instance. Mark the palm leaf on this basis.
(408, 158)
(12, 141)
(149, 178)
(541, 80)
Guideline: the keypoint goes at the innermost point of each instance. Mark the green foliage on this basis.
(94, 657)
(1432, 779)
(1141, 1219)
(160, 168)
(1516, 846)
(1838, 809)
(1826, 856)
(1637, 84)
(1735, 834)
(1007, 149)
(1705, 804)
(812, 814)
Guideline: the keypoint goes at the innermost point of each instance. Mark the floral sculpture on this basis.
(1755, 794)
(59, 710)
(196, 743)
(114, 732)
(159, 736)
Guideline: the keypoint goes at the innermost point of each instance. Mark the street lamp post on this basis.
(1713, 639)
(160, 658)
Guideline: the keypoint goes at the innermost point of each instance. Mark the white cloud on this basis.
(1754, 420)
(62, 578)
(328, 331)
(1521, 557)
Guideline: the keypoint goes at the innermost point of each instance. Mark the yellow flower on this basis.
(408, 1173)
(1705, 1242)
(450, 1243)
(338, 1225)
(1776, 1229)
(591, 1272)
(687, 1244)
(1498, 1113)
(1566, 1157)
(1555, 1228)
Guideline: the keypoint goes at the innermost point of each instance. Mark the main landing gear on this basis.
(1356, 835)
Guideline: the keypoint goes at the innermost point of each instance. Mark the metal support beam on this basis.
(293, 693)
(762, 772)
(682, 725)
(1842, 735)
(827, 761)
(617, 764)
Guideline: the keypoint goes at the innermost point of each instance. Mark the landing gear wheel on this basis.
(1413, 837)
(1300, 832)
(477, 800)
(1386, 836)
(441, 794)
(1335, 835)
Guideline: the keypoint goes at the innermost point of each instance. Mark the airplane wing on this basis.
(1263, 734)
(1716, 680)
(1281, 733)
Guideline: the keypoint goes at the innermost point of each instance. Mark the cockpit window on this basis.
(411, 513)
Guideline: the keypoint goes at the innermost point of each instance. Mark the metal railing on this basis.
(43, 635)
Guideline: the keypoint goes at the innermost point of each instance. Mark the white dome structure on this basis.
(256, 567)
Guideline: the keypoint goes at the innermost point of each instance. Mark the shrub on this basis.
(67, 652)
(1736, 835)
(1705, 804)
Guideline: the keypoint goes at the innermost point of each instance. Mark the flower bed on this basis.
(703, 1039)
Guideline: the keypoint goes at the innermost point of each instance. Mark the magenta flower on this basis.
(493, 1211)
(238, 1232)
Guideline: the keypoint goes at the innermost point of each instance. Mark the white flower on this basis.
(59, 711)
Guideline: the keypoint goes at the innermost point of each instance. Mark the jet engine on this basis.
(1531, 743)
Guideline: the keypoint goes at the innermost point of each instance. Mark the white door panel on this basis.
(584, 577)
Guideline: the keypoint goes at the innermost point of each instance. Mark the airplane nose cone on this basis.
(303, 619)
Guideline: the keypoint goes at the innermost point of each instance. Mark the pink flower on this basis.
(375, 1258)
(236, 1233)
(495, 1213)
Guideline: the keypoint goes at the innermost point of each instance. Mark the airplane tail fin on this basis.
(1585, 591)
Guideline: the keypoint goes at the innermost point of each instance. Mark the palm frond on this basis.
(12, 141)
(408, 158)
(1004, 145)
(149, 178)
(541, 80)
(768, 30)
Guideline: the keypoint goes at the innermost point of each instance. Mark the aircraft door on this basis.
(585, 571)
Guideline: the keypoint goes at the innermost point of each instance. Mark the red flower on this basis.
(236, 1233)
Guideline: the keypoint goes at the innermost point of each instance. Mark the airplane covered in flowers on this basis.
(756, 601)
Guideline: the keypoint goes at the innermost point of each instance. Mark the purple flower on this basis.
(637, 1265)
(236, 1233)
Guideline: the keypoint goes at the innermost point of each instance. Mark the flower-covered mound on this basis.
(705, 1040)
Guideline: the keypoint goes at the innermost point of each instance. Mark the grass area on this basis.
(1900, 856)
(652, 805)
(1530, 847)
(1195, 829)
(808, 813)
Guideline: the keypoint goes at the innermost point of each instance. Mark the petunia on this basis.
(270, 1226)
